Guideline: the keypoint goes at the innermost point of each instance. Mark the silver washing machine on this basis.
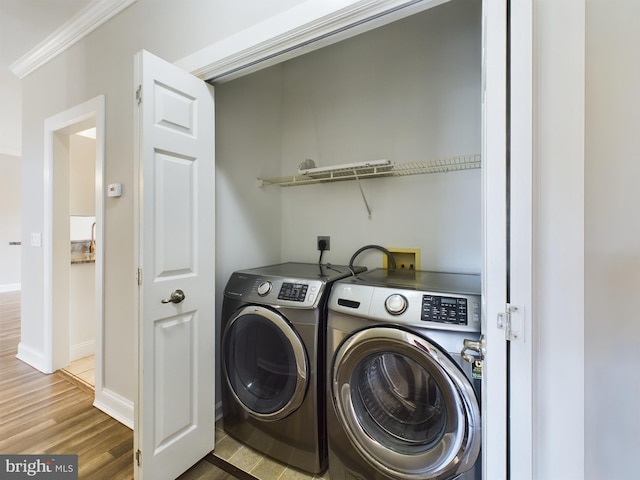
(402, 404)
(273, 353)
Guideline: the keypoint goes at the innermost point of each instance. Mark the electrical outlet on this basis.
(36, 240)
(327, 242)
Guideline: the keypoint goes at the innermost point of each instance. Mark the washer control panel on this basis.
(448, 310)
(436, 308)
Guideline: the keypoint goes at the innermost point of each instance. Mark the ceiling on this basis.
(24, 26)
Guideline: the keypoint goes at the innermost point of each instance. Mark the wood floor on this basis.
(49, 414)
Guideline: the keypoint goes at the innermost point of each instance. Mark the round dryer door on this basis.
(405, 405)
(264, 363)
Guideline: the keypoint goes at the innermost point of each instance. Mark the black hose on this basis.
(392, 261)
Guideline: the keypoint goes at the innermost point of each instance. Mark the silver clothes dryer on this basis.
(273, 353)
(402, 404)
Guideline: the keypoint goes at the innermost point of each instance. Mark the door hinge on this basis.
(139, 276)
(512, 322)
(139, 94)
(138, 458)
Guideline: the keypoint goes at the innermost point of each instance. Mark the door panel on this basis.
(174, 346)
(175, 190)
(176, 199)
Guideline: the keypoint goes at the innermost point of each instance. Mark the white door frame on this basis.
(312, 25)
(56, 329)
(494, 215)
(521, 239)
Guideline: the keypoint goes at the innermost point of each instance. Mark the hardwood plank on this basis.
(48, 414)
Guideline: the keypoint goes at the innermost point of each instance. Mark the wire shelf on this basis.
(359, 172)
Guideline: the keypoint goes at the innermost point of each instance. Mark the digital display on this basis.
(295, 292)
(448, 301)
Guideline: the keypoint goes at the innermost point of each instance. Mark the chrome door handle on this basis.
(176, 297)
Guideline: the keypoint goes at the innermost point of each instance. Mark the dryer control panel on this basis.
(275, 291)
(295, 292)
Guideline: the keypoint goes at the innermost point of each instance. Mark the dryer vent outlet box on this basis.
(406, 258)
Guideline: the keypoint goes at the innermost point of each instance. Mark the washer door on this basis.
(265, 363)
(405, 405)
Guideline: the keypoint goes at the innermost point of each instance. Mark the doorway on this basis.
(213, 65)
(73, 204)
(83, 246)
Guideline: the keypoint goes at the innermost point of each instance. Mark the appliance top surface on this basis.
(304, 271)
(295, 285)
(459, 283)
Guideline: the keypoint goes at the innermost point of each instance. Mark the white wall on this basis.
(248, 136)
(409, 91)
(612, 239)
(558, 316)
(10, 125)
(102, 63)
(391, 93)
(82, 171)
(82, 310)
(10, 208)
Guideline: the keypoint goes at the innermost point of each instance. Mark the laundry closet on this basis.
(409, 91)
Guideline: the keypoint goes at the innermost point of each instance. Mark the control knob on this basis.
(264, 288)
(395, 304)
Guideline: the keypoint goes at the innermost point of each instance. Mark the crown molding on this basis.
(82, 24)
(301, 29)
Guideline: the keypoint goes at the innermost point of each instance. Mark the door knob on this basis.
(176, 297)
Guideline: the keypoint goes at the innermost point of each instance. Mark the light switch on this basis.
(36, 240)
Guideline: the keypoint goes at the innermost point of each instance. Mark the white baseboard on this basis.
(116, 406)
(33, 357)
(10, 287)
(81, 350)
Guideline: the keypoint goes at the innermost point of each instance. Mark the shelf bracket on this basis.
(364, 198)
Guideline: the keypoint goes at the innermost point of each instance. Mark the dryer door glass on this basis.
(405, 405)
(265, 363)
